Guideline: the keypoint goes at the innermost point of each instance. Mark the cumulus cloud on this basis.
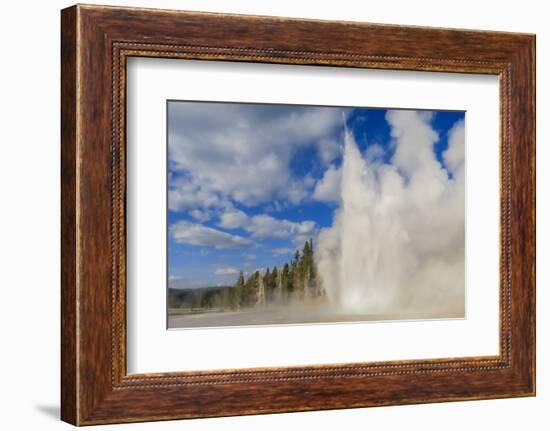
(374, 153)
(328, 188)
(397, 243)
(298, 190)
(274, 206)
(200, 215)
(260, 227)
(242, 152)
(328, 149)
(264, 226)
(184, 232)
(232, 219)
(187, 194)
(226, 271)
(454, 155)
(282, 251)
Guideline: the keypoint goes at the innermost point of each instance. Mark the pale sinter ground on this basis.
(287, 315)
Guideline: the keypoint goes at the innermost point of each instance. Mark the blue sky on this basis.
(249, 183)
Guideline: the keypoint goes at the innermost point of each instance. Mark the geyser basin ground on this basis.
(287, 315)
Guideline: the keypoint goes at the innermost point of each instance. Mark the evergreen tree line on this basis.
(295, 281)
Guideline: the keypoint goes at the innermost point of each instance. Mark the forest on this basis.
(295, 281)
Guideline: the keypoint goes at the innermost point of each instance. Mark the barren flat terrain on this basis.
(283, 315)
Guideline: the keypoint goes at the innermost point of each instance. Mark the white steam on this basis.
(397, 243)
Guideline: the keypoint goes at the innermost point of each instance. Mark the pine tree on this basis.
(298, 275)
(250, 290)
(296, 280)
(313, 273)
(296, 258)
(238, 295)
(273, 282)
(260, 288)
(286, 281)
(269, 285)
(267, 279)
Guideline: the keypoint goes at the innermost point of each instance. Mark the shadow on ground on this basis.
(52, 411)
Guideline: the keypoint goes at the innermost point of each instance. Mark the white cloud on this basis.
(414, 139)
(328, 150)
(414, 155)
(328, 187)
(264, 226)
(300, 189)
(282, 251)
(184, 232)
(187, 194)
(226, 271)
(233, 219)
(454, 155)
(274, 206)
(374, 153)
(249, 256)
(200, 215)
(243, 152)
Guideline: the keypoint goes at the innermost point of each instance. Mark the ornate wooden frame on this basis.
(95, 42)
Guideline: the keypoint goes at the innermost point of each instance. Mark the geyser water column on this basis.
(397, 239)
(357, 240)
(360, 235)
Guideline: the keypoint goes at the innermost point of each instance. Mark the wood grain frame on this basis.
(96, 42)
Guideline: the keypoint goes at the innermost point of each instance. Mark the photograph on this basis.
(294, 214)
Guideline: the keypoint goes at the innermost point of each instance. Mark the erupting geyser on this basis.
(397, 241)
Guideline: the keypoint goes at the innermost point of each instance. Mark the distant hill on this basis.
(204, 297)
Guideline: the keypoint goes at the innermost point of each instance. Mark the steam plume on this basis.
(397, 242)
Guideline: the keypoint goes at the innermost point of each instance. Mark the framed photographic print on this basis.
(268, 215)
